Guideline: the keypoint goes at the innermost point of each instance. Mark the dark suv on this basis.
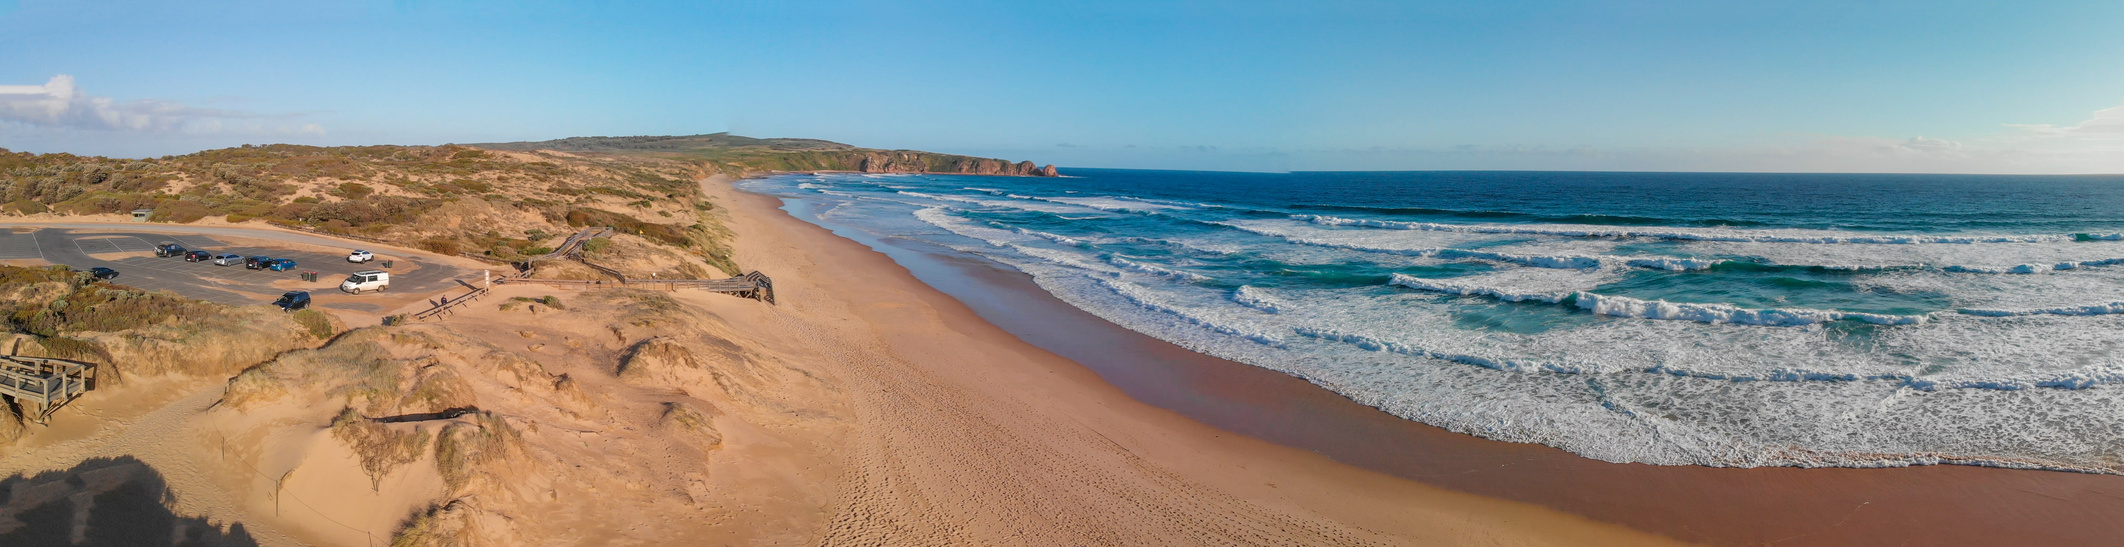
(103, 274)
(256, 263)
(293, 300)
(167, 249)
(198, 256)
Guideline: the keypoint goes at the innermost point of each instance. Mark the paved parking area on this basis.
(19, 246)
(132, 255)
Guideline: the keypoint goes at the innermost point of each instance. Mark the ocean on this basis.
(1666, 318)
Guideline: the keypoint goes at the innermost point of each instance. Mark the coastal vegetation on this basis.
(502, 202)
(502, 206)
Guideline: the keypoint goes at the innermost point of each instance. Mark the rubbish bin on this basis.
(387, 263)
(309, 276)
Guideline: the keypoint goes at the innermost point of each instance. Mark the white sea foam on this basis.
(1473, 290)
(1623, 306)
(1002, 204)
(1257, 298)
(1672, 264)
(2092, 309)
(1976, 257)
(1066, 259)
(1114, 204)
(1062, 239)
(1149, 299)
(1720, 234)
(1155, 270)
(936, 216)
(1538, 261)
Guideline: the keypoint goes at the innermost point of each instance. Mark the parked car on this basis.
(280, 264)
(360, 256)
(228, 260)
(198, 256)
(256, 263)
(368, 280)
(293, 300)
(102, 273)
(168, 249)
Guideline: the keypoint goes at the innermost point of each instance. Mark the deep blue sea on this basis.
(1666, 318)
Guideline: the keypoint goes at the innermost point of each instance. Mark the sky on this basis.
(1845, 86)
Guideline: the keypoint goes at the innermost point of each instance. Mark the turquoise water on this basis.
(1711, 319)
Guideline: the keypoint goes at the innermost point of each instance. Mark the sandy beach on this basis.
(1936, 505)
(966, 434)
(869, 407)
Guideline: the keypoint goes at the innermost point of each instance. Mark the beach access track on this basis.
(754, 285)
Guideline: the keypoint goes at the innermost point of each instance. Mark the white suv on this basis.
(360, 256)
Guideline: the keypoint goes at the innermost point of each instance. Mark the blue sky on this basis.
(1270, 86)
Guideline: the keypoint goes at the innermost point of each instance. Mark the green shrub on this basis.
(26, 207)
(596, 244)
(353, 190)
(103, 307)
(441, 245)
(320, 325)
(69, 348)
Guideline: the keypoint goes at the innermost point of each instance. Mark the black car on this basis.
(103, 273)
(167, 249)
(293, 300)
(198, 256)
(256, 262)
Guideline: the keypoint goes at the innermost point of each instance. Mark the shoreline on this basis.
(965, 434)
(1934, 504)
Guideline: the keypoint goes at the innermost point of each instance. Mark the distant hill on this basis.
(727, 153)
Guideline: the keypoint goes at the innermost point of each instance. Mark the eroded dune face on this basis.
(622, 414)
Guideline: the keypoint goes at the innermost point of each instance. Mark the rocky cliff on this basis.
(904, 161)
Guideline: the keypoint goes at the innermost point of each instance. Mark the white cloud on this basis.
(2107, 124)
(60, 104)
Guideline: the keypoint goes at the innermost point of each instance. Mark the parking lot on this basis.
(132, 255)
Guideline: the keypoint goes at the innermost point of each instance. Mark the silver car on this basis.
(228, 260)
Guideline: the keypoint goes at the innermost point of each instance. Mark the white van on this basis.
(371, 280)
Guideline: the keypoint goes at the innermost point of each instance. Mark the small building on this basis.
(141, 215)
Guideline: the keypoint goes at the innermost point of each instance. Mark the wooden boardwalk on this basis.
(40, 385)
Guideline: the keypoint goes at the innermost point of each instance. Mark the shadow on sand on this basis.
(103, 501)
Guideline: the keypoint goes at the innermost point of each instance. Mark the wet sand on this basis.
(1926, 505)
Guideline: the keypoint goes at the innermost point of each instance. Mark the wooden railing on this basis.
(450, 304)
(43, 384)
